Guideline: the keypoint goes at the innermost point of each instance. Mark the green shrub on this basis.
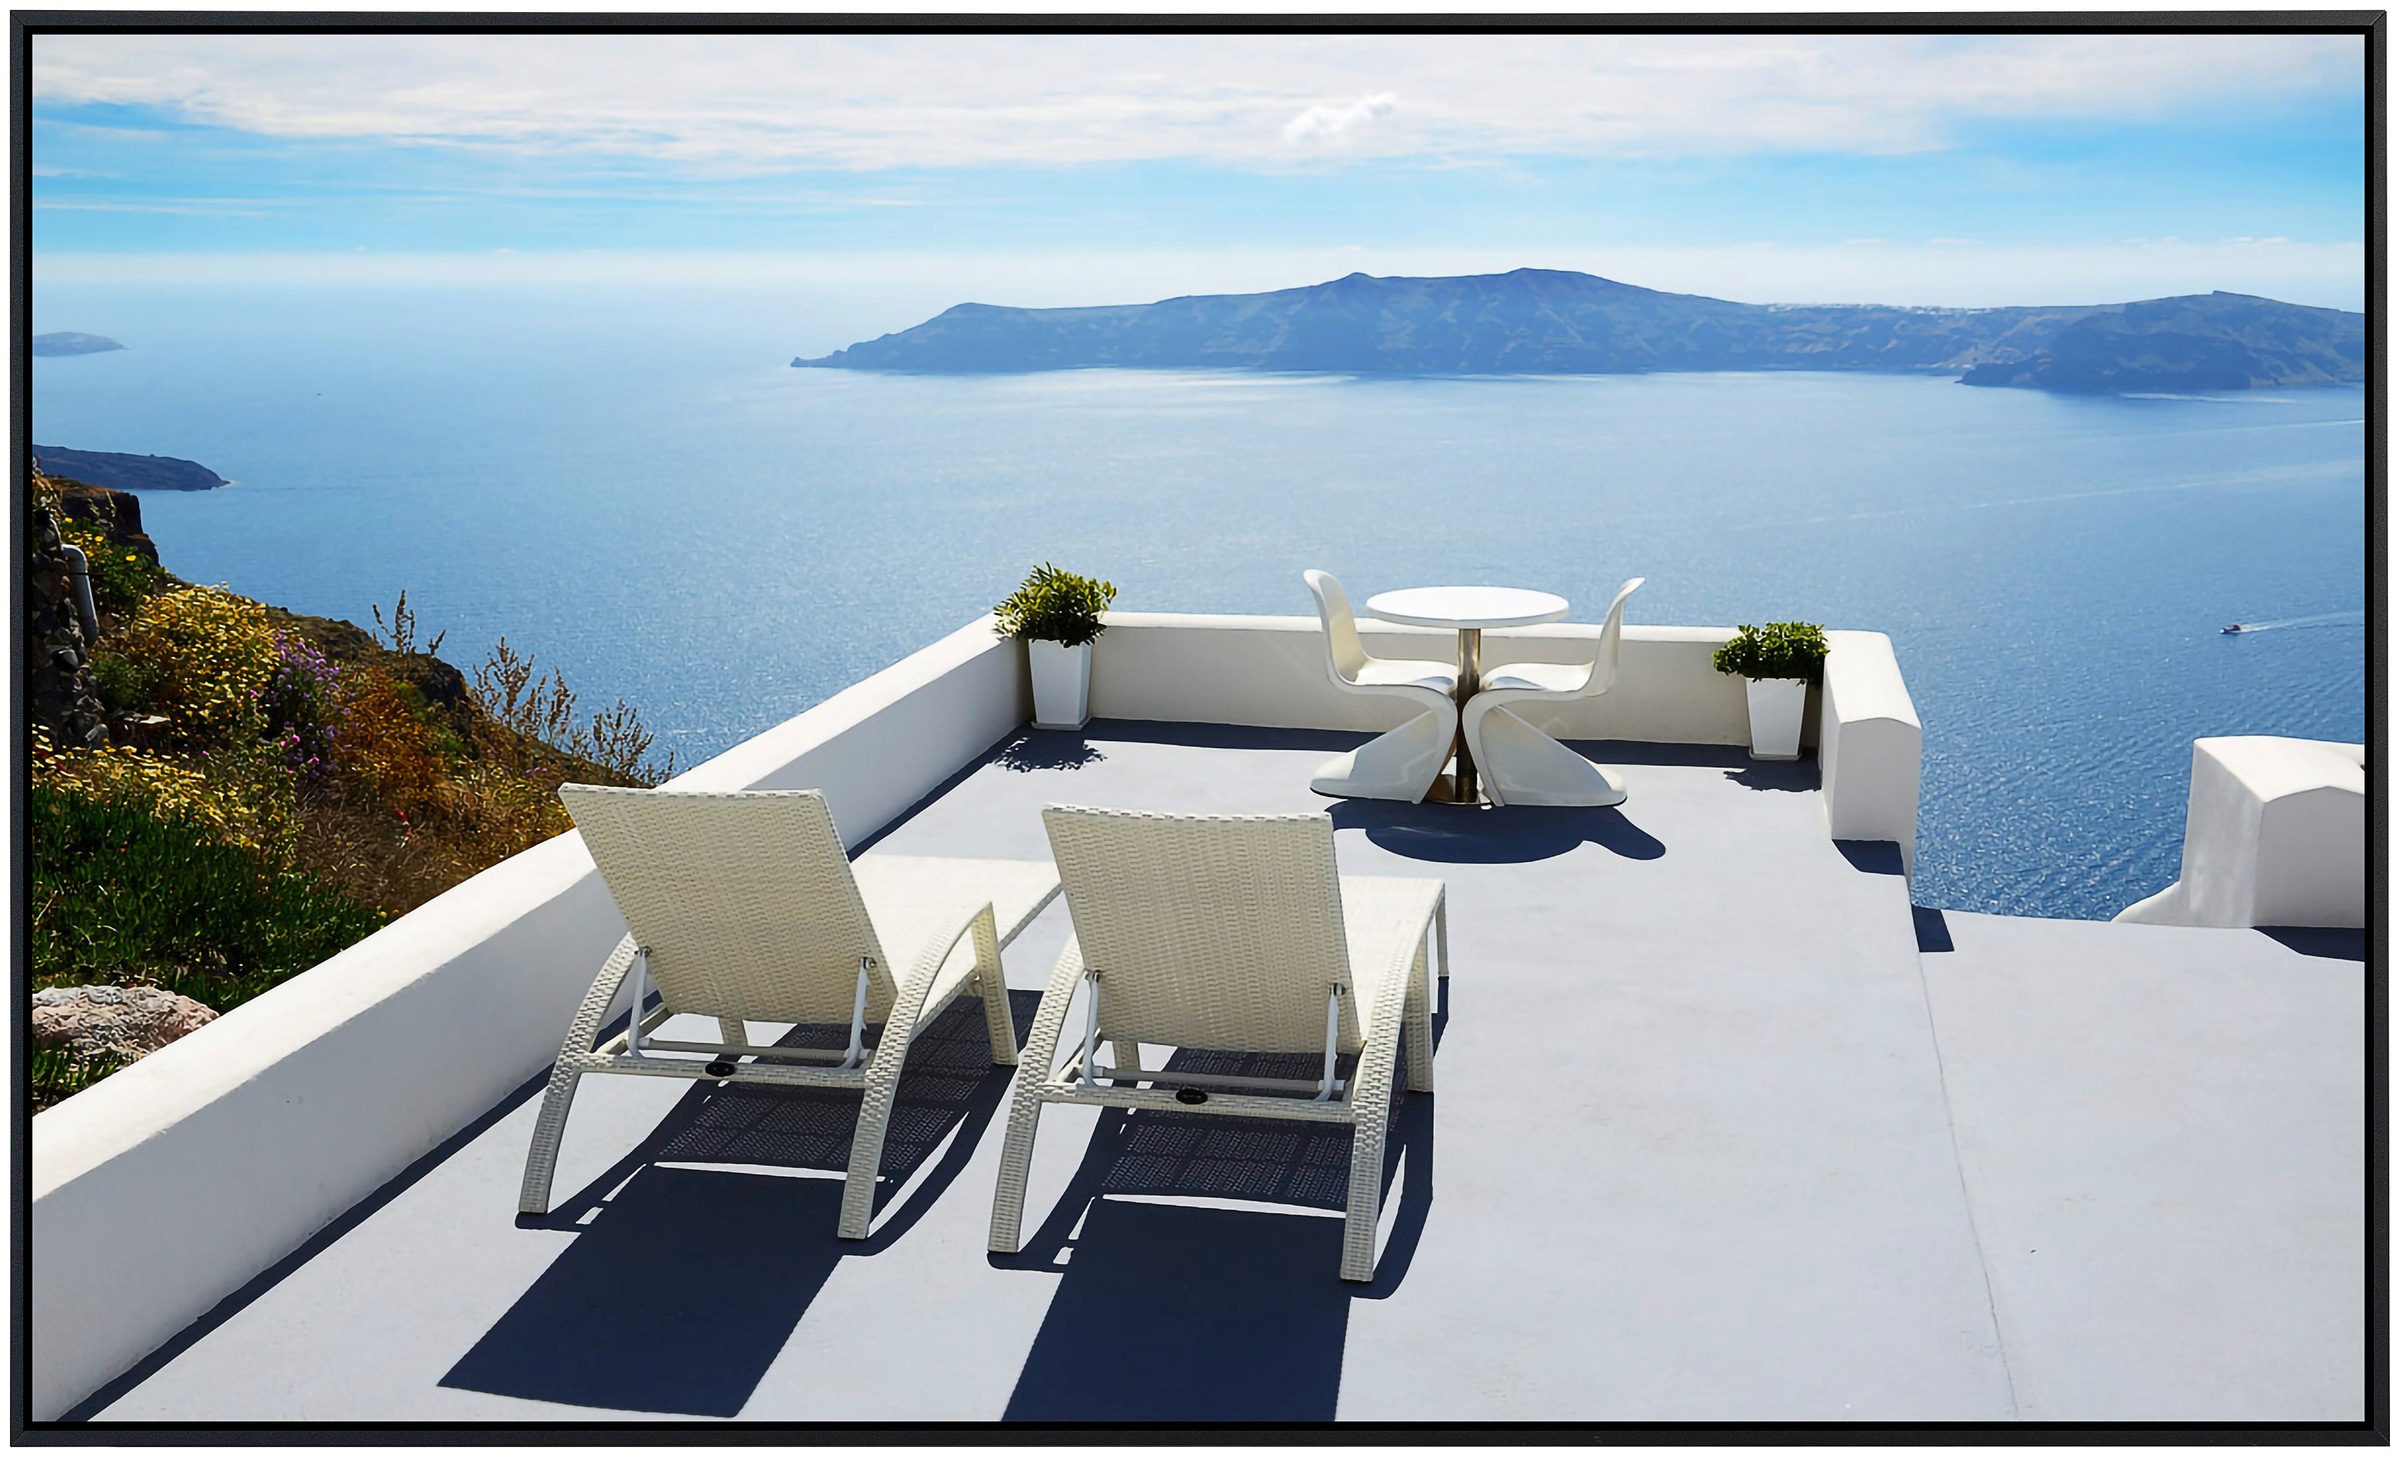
(121, 578)
(125, 685)
(1778, 650)
(1055, 606)
(123, 894)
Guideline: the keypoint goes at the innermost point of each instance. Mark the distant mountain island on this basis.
(1543, 321)
(73, 344)
(126, 472)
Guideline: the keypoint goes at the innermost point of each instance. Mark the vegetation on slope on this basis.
(277, 786)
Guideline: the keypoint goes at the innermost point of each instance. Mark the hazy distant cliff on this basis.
(122, 472)
(71, 343)
(1540, 321)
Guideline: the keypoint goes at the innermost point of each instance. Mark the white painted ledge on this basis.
(1270, 671)
(2276, 835)
(1870, 746)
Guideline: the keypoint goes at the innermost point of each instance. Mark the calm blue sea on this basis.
(640, 491)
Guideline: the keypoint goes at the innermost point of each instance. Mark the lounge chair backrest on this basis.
(1345, 655)
(1604, 668)
(1210, 931)
(745, 899)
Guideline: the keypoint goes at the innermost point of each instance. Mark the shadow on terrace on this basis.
(1236, 1320)
(685, 1280)
(1239, 1322)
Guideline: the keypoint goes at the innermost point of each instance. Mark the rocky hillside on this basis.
(2217, 341)
(123, 472)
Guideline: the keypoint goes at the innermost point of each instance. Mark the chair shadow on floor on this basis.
(684, 1283)
(1452, 834)
(1181, 1312)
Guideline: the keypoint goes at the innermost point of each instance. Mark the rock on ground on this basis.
(121, 1023)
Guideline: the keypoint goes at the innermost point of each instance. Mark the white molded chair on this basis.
(1522, 765)
(1403, 763)
(743, 907)
(1229, 933)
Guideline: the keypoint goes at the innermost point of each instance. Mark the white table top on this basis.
(1465, 607)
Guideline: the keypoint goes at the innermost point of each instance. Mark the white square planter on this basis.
(1062, 684)
(1776, 708)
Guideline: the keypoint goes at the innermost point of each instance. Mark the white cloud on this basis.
(747, 103)
(1320, 124)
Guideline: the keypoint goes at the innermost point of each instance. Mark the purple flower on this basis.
(300, 701)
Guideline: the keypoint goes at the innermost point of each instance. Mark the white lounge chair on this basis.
(1403, 763)
(1230, 933)
(744, 907)
(1520, 763)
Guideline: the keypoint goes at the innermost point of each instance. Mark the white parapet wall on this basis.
(1870, 746)
(162, 1189)
(1271, 671)
(2276, 835)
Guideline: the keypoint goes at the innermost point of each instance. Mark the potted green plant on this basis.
(1780, 660)
(1057, 616)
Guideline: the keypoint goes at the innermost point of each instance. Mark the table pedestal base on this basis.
(1445, 791)
(1459, 786)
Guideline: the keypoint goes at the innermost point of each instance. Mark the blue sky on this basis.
(1944, 170)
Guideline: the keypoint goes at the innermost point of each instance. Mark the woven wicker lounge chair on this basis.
(1230, 933)
(744, 907)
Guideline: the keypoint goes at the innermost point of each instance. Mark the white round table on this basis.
(1468, 610)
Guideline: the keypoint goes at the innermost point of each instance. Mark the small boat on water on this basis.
(2235, 627)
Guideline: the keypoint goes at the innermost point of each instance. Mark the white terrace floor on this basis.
(1713, 1140)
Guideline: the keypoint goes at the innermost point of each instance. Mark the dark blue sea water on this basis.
(640, 491)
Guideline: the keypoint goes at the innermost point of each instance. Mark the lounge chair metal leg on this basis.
(1025, 1103)
(866, 1147)
(1371, 1107)
(1016, 1165)
(998, 1025)
(858, 1015)
(992, 986)
(1441, 929)
(891, 1056)
(1417, 1023)
(549, 1130)
(1366, 1195)
(541, 1161)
